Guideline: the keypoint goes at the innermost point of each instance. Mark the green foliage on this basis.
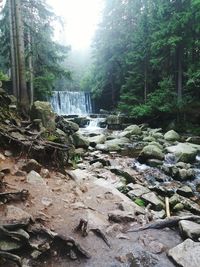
(3, 77)
(139, 202)
(146, 56)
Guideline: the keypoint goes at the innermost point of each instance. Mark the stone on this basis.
(185, 191)
(9, 245)
(2, 158)
(186, 254)
(16, 214)
(45, 173)
(151, 198)
(154, 162)
(42, 110)
(114, 122)
(184, 152)
(98, 139)
(32, 165)
(149, 139)
(117, 143)
(34, 178)
(80, 141)
(137, 190)
(178, 207)
(133, 129)
(120, 216)
(194, 140)
(188, 204)
(97, 165)
(172, 136)
(184, 174)
(151, 152)
(158, 214)
(189, 229)
(67, 126)
(102, 147)
(129, 178)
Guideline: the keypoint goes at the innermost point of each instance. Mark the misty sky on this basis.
(81, 18)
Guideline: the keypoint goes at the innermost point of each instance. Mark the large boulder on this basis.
(134, 130)
(189, 229)
(186, 254)
(42, 110)
(172, 136)
(67, 126)
(80, 141)
(151, 152)
(185, 152)
(116, 144)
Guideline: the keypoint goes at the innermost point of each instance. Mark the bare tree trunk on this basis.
(180, 73)
(23, 96)
(12, 51)
(15, 47)
(30, 63)
(145, 82)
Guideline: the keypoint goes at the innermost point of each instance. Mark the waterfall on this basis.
(71, 103)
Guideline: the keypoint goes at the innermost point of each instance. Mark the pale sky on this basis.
(81, 18)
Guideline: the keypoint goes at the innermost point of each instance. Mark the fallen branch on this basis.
(169, 222)
(100, 234)
(167, 207)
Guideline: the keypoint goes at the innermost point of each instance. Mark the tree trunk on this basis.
(15, 47)
(30, 63)
(145, 81)
(180, 74)
(12, 51)
(23, 96)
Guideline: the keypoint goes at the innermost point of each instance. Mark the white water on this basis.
(71, 103)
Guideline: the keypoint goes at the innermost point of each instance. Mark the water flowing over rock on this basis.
(66, 102)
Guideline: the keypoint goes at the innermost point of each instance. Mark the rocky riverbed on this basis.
(121, 198)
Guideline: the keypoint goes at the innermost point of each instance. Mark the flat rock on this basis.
(138, 190)
(186, 254)
(120, 216)
(185, 191)
(16, 214)
(190, 229)
(154, 200)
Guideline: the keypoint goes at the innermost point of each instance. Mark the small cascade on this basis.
(95, 123)
(71, 103)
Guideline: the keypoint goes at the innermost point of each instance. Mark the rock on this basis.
(185, 174)
(185, 191)
(5, 169)
(158, 214)
(8, 153)
(67, 126)
(133, 129)
(42, 110)
(172, 136)
(116, 144)
(47, 202)
(104, 162)
(98, 139)
(34, 178)
(32, 165)
(45, 173)
(102, 147)
(16, 214)
(80, 141)
(178, 207)
(20, 173)
(97, 165)
(188, 204)
(119, 216)
(2, 158)
(186, 254)
(151, 198)
(184, 152)
(149, 139)
(154, 162)
(114, 122)
(137, 190)
(151, 152)
(189, 229)
(129, 178)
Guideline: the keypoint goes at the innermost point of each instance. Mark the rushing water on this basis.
(71, 103)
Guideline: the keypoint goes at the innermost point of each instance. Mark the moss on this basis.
(139, 202)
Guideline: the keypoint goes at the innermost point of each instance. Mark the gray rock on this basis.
(45, 173)
(172, 136)
(154, 162)
(32, 165)
(133, 129)
(9, 245)
(189, 229)
(102, 147)
(137, 190)
(42, 110)
(98, 139)
(151, 198)
(34, 178)
(186, 254)
(80, 141)
(149, 139)
(178, 207)
(184, 152)
(188, 204)
(16, 214)
(151, 152)
(120, 216)
(185, 191)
